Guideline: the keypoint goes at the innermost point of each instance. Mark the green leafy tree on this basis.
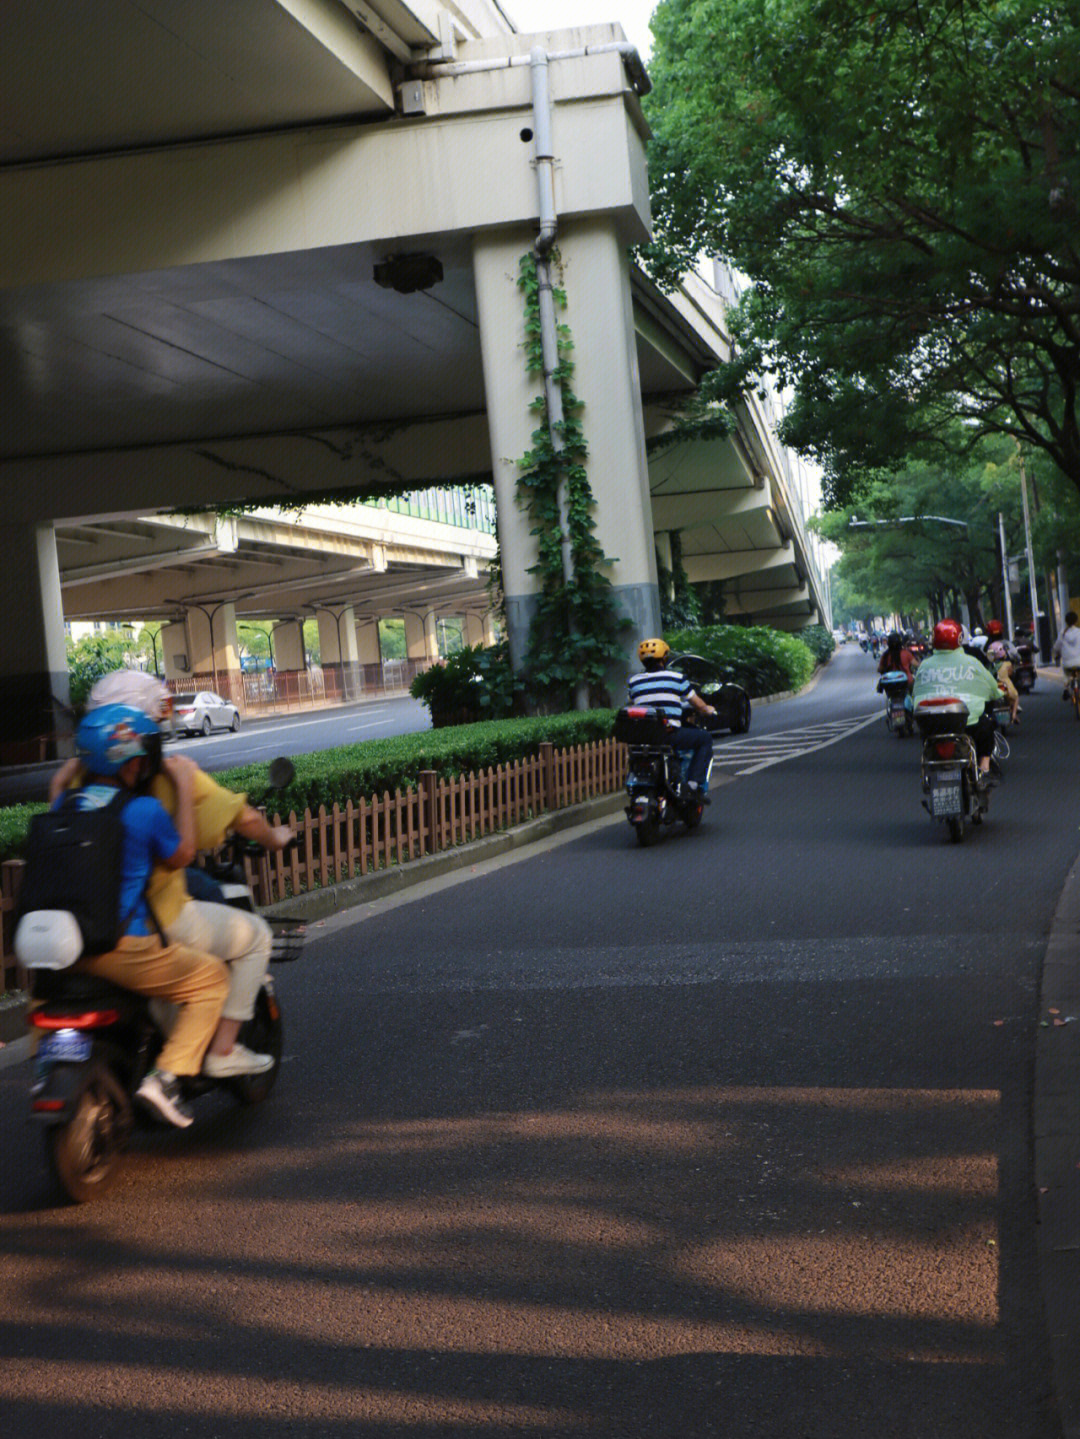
(392, 644)
(94, 656)
(907, 560)
(901, 182)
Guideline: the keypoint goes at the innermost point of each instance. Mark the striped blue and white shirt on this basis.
(662, 689)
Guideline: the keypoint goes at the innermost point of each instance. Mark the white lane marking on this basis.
(747, 756)
(337, 719)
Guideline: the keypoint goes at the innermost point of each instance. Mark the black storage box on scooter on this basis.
(642, 725)
(937, 717)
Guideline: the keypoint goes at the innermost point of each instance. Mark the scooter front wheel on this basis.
(956, 829)
(85, 1152)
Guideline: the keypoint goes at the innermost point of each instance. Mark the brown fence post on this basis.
(547, 769)
(429, 788)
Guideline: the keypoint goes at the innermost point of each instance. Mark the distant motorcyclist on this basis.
(1004, 656)
(668, 691)
(950, 670)
(897, 657)
(1067, 649)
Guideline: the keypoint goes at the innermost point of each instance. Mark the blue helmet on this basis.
(108, 737)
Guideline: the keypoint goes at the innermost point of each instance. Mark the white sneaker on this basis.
(160, 1094)
(239, 1060)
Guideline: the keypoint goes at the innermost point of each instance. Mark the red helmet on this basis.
(994, 629)
(946, 635)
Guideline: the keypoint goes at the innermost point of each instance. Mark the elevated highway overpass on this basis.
(212, 293)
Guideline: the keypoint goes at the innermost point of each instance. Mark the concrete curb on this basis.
(1056, 1125)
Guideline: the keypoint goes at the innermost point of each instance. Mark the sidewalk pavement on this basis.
(1056, 1130)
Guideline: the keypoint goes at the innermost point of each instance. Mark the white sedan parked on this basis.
(200, 713)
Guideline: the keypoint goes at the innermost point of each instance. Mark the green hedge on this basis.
(763, 660)
(820, 641)
(351, 771)
(14, 824)
(472, 685)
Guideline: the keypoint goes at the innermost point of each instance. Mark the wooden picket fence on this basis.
(378, 831)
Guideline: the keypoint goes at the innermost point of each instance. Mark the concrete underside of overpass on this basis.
(190, 316)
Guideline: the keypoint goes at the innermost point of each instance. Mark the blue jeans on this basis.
(699, 742)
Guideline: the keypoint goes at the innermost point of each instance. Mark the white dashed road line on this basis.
(748, 755)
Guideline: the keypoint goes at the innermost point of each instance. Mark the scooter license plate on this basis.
(946, 795)
(67, 1046)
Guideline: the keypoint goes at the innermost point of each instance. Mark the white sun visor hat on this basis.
(131, 687)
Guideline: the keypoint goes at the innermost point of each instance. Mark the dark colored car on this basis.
(731, 701)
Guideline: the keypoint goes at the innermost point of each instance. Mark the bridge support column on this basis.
(665, 559)
(474, 630)
(415, 643)
(600, 316)
(337, 646)
(175, 650)
(289, 647)
(431, 635)
(368, 651)
(213, 652)
(35, 722)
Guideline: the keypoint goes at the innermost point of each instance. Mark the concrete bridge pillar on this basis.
(337, 646)
(34, 692)
(289, 647)
(600, 316)
(176, 650)
(415, 642)
(431, 635)
(213, 652)
(368, 651)
(474, 630)
(665, 559)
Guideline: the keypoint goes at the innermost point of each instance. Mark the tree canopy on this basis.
(901, 558)
(900, 179)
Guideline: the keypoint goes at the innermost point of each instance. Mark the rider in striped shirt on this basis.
(668, 691)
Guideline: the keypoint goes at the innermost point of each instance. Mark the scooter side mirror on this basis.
(282, 772)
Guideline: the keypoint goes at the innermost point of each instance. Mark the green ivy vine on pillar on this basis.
(576, 629)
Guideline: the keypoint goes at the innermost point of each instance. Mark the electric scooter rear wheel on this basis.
(647, 831)
(85, 1153)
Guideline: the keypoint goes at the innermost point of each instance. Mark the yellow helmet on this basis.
(653, 650)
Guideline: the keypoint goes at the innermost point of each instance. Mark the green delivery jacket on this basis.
(952, 672)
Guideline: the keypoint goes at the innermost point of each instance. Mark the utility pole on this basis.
(1035, 636)
(1005, 578)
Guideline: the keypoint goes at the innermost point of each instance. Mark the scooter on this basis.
(1026, 672)
(656, 789)
(898, 709)
(952, 794)
(98, 1041)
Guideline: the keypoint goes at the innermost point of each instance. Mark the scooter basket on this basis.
(941, 716)
(642, 725)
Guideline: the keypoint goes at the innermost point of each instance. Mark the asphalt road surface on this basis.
(730, 1137)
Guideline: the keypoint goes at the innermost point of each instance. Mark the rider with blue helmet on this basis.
(120, 747)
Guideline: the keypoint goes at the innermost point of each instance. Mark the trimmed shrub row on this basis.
(372, 766)
(762, 660)
(819, 640)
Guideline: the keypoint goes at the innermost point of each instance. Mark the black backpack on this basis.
(74, 862)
